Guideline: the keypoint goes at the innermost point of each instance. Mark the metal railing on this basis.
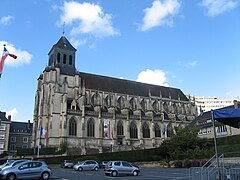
(213, 169)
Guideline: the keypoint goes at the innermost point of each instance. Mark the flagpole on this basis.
(38, 146)
(215, 143)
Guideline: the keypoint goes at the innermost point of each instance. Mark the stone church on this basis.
(94, 114)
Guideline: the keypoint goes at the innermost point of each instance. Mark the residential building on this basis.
(205, 123)
(93, 113)
(4, 131)
(20, 136)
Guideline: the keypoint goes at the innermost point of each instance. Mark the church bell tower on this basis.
(62, 56)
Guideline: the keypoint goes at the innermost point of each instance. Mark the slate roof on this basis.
(63, 43)
(115, 85)
(21, 127)
(207, 116)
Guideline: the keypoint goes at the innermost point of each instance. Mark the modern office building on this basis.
(205, 104)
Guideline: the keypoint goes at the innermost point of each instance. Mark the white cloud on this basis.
(157, 77)
(76, 42)
(12, 112)
(87, 18)
(216, 7)
(188, 64)
(191, 64)
(5, 20)
(161, 13)
(23, 57)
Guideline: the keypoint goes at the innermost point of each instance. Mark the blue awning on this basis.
(229, 117)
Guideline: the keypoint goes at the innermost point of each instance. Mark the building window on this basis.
(146, 131)
(157, 131)
(2, 127)
(2, 136)
(64, 59)
(58, 57)
(120, 128)
(90, 128)
(133, 130)
(12, 147)
(13, 139)
(70, 60)
(24, 146)
(1, 145)
(221, 130)
(25, 139)
(72, 128)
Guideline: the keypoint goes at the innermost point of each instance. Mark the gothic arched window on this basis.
(145, 130)
(120, 128)
(70, 60)
(90, 128)
(157, 130)
(64, 59)
(72, 128)
(133, 130)
(58, 57)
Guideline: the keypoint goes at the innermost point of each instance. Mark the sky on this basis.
(193, 45)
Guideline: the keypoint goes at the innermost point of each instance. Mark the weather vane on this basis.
(63, 27)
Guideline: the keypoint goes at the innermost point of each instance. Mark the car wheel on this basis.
(114, 173)
(80, 168)
(11, 177)
(96, 169)
(45, 176)
(135, 173)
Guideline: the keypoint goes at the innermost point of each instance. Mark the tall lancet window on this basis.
(58, 57)
(145, 130)
(72, 128)
(133, 130)
(90, 128)
(70, 60)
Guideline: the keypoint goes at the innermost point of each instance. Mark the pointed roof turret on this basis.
(62, 55)
(63, 43)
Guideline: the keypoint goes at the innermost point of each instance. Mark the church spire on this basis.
(62, 55)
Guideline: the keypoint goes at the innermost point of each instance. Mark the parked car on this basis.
(6, 164)
(115, 168)
(12, 164)
(86, 165)
(103, 164)
(67, 164)
(26, 170)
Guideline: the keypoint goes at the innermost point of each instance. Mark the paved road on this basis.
(145, 174)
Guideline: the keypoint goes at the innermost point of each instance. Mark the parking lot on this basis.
(146, 174)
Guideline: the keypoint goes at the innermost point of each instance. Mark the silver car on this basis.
(86, 165)
(115, 168)
(26, 170)
(12, 164)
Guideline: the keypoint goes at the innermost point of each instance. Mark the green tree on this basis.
(185, 144)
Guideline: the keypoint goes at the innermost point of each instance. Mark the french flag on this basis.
(43, 133)
(4, 56)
